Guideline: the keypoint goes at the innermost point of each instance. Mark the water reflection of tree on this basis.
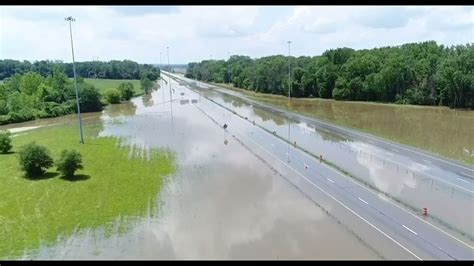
(124, 109)
(237, 104)
(147, 100)
(226, 99)
(265, 116)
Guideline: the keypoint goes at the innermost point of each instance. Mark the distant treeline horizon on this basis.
(414, 73)
(114, 69)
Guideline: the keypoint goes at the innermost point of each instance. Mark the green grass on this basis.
(105, 85)
(116, 187)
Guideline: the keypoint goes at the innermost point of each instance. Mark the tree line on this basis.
(415, 73)
(114, 69)
(31, 95)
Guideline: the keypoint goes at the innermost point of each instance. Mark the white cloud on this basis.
(195, 32)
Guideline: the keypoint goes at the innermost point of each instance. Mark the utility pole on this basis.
(70, 19)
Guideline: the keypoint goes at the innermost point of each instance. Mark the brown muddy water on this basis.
(222, 203)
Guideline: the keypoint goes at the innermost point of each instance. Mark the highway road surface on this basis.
(445, 187)
(376, 219)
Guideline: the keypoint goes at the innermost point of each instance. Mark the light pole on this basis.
(210, 67)
(161, 81)
(228, 69)
(169, 82)
(289, 74)
(71, 19)
(289, 97)
(169, 69)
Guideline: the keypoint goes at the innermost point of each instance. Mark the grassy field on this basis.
(105, 85)
(439, 130)
(115, 187)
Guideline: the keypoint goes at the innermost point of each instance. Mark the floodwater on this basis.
(224, 202)
(440, 130)
(450, 207)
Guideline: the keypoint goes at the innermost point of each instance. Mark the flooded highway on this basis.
(448, 196)
(225, 201)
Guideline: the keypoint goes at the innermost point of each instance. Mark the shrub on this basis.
(126, 90)
(89, 98)
(35, 159)
(5, 142)
(69, 162)
(22, 115)
(112, 96)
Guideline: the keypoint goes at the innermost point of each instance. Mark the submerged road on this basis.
(450, 172)
(403, 235)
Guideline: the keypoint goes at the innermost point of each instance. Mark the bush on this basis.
(35, 159)
(22, 115)
(89, 98)
(4, 119)
(112, 96)
(126, 90)
(5, 142)
(69, 162)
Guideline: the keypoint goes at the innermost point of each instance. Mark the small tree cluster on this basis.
(5, 142)
(36, 159)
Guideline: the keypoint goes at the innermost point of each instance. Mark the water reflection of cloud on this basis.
(383, 178)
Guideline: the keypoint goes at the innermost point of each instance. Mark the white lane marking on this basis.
(463, 180)
(363, 201)
(389, 153)
(426, 161)
(466, 174)
(395, 150)
(330, 180)
(338, 201)
(371, 142)
(410, 230)
(389, 200)
(273, 145)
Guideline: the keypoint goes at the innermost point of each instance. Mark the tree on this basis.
(69, 162)
(5, 141)
(126, 90)
(30, 82)
(112, 96)
(35, 159)
(146, 84)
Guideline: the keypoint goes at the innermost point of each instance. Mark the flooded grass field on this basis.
(439, 130)
(115, 187)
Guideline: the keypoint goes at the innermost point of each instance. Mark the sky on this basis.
(195, 33)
